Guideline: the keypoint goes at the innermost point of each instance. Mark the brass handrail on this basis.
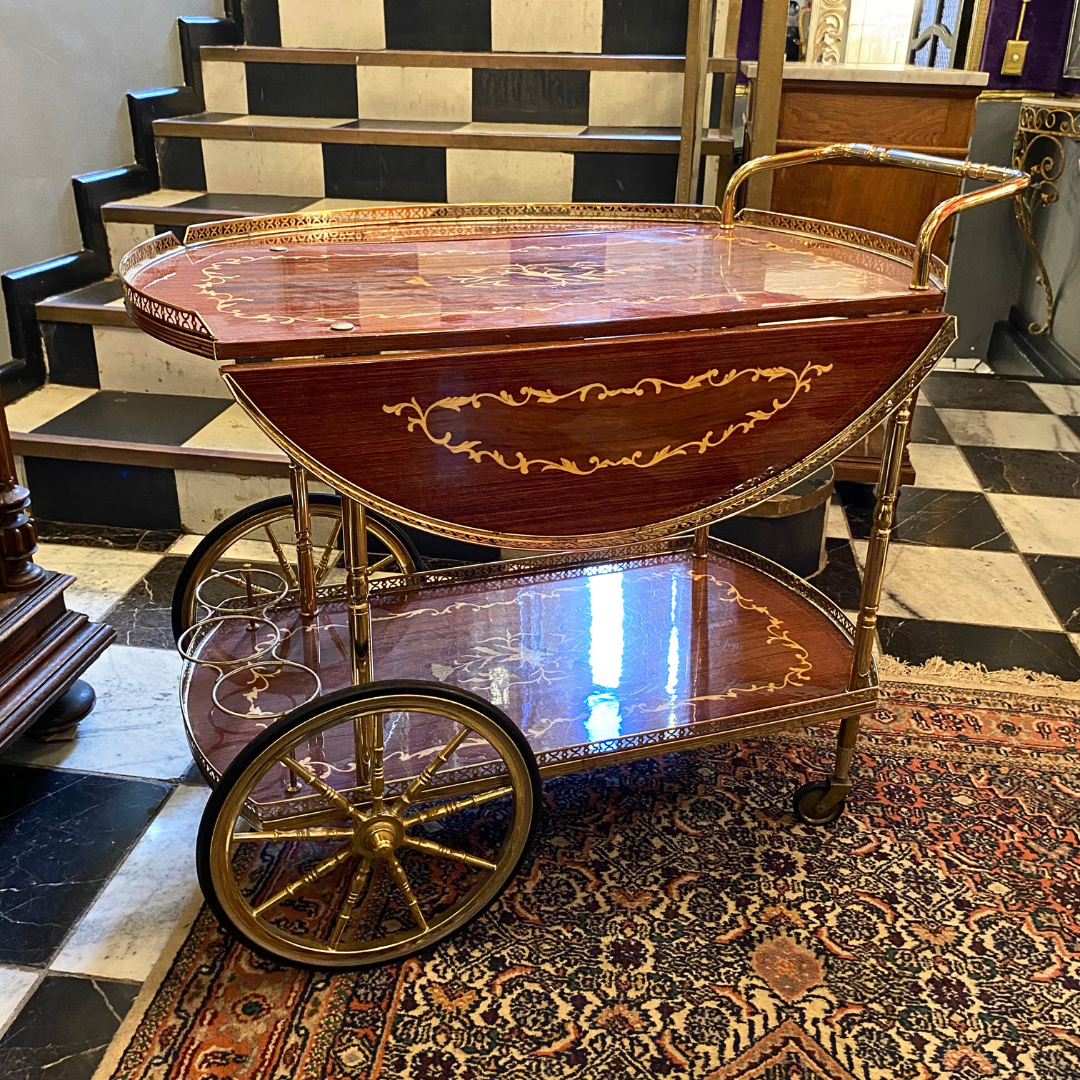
(1006, 182)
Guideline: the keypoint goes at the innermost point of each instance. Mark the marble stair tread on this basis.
(100, 304)
(462, 134)
(158, 430)
(550, 61)
(199, 207)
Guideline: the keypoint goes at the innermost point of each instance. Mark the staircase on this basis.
(294, 106)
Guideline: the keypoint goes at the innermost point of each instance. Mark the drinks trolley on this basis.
(596, 383)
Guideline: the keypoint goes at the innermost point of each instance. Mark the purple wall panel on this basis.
(1046, 26)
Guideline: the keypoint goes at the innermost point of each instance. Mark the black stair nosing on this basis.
(645, 62)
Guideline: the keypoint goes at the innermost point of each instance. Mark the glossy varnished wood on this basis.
(431, 283)
(925, 119)
(588, 438)
(591, 662)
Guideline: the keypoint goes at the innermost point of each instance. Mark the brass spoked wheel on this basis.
(309, 857)
(263, 537)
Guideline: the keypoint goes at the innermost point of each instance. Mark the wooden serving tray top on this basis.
(351, 282)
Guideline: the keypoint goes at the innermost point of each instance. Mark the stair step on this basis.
(99, 304)
(423, 161)
(141, 460)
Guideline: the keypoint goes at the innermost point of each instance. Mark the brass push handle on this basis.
(1006, 182)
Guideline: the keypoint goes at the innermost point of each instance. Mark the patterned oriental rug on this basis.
(675, 921)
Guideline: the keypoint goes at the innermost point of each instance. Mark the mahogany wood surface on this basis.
(583, 438)
(598, 657)
(924, 119)
(431, 284)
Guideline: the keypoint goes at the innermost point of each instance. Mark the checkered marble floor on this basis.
(97, 836)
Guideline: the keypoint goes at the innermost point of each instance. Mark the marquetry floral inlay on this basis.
(426, 419)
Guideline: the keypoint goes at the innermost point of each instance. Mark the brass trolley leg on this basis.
(838, 786)
(305, 556)
(367, 737)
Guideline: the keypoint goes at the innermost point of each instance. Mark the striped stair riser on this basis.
(415, 173)
(447, 94)
(140, 496)
(126, 359)
(582, 26)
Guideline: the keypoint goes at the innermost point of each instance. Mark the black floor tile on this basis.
(105, 536)
(1059, 578)
(633, 178)
(301, 90)
(530, 96)
(96, 492)
(927, 516)
(840, 580)
(247, 204)
(180, 162)
(926, 427)
(998, 647)
(645, 26)
(409, 173)
(167, 419)
(1026, 472)
(64, 1029)
(959, 390)
(1072, 422)
(143, 615)
(454, 25)
(61, 835)
(71, 353)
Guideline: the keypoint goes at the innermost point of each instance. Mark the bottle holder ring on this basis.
(262, 589)
(186, 643)
(257, 669)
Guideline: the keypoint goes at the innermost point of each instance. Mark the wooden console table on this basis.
(44, 648)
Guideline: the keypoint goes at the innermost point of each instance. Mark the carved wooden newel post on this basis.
(44, 648)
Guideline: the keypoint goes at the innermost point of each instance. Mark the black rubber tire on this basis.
(806, 799)
(279, 502)
(282, 726)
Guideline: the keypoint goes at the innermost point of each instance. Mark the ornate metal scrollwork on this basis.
(1039, 150)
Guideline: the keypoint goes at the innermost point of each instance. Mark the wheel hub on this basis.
(378, 837)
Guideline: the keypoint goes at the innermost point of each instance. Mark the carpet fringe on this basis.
(941, 672)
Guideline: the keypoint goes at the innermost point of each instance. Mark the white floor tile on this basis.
(233, 429)
(508, 176)
(1014, 430)
(1063, 400)
(836, 523)
(225, 86)
(123, 933)
(104, 574)
(352, 204)
(988, 588)
(186, 544)
(15, 985)
(209, 498)
(942, 467)
(1075, 639)
(344, 24)
(635, 98)
(136, 727)
(414, 93)
(41, 406)
(237, 167)
(135, 363)
(1040, 524)
(958, 363)
(547, 25)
